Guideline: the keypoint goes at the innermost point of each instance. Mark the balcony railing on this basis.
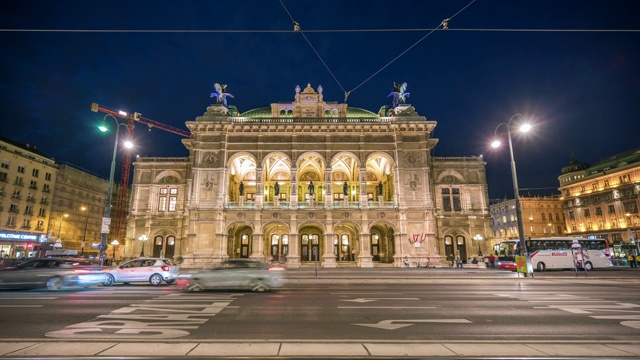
(309, 205)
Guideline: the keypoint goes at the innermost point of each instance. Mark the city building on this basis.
(542, 216)
(309, 181)
(77, 209)
(27, 179)
(602, 200)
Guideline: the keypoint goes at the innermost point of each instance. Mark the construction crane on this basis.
(132, 119)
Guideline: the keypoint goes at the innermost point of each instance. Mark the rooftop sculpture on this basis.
(221, 94)
(399, 94)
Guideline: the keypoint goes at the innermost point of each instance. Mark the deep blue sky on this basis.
(580, 88)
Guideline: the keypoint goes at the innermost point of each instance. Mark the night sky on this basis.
(161, 59)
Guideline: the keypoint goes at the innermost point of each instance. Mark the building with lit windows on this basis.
(542, 216)
(602, 200)
(308, 181)
(26, 188)
(77, 209)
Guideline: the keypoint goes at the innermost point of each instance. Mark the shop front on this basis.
(16, 245)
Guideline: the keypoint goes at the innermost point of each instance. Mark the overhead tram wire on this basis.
(444, 25)
(296, 28)
(318, 31)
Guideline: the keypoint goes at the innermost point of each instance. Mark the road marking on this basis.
(20, 306)
(29, 298)
(389, 324)
(386, 307)
(366, 300)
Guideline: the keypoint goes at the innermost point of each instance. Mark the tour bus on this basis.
(505, 253)
(555, 253)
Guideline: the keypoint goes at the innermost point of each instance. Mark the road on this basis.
(444, 314)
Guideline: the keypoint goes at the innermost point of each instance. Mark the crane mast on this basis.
(131, 119)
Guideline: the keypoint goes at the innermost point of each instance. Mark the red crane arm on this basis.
(126, 161)
(138, 118)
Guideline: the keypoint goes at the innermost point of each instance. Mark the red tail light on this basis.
(165, 268)
(85, 271)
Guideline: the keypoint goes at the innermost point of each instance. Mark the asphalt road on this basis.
(553, 314)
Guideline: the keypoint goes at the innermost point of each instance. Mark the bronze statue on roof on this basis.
(399, 94)
(221, 94)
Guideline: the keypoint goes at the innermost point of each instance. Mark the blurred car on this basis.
(241, 274)
(52, 273)
(153, 270)
(509, 265)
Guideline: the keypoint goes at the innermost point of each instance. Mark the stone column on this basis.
(328, 191)
(293, 196)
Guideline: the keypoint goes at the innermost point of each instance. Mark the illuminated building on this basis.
(308, 181)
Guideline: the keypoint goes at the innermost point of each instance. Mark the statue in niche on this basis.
(276, 189)
(312, 188)
(399, 94)
(379, 188)
(345, 189)
(221, 94)
(241, 188)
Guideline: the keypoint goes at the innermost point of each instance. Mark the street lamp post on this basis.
(60, 225)
(143, 238)
(478, 238)
(115, 244)
(525, 127)
(106, 220)
(84, 236)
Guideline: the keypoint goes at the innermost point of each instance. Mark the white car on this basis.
(153, 270)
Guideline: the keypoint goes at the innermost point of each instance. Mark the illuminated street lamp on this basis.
(106, 220)
(143, 238)
(60, 225)
(84, 237)
(478, 238)
(524, 127)
(115, 244)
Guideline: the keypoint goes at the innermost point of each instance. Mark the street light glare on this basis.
(525, 127)
(103, 128)
(128, 144)
(495, 144)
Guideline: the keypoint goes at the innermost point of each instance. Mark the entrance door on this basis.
(244, 246)
(448, 248)
(336, 251)
(345, 249)
(158, 241)
(315, 248)
(375, 247)
(462, 249)
(275, 247)
(304, 248)
(169, 249)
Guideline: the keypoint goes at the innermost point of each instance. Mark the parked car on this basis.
(52, 273)
(153, 270)
(237, 274)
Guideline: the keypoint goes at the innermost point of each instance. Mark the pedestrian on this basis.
(458, 262)
(406, 261)
(632, 260)
(492, 261)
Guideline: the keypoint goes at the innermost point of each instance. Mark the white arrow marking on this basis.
(366, 300)
(389, 324)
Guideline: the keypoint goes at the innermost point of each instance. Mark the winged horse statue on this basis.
(399, 94)
(221, 94)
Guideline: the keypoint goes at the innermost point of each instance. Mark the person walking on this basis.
(458, 262)
(632, 260)
(492, 261)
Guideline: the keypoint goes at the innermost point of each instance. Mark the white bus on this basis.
(555, 253)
